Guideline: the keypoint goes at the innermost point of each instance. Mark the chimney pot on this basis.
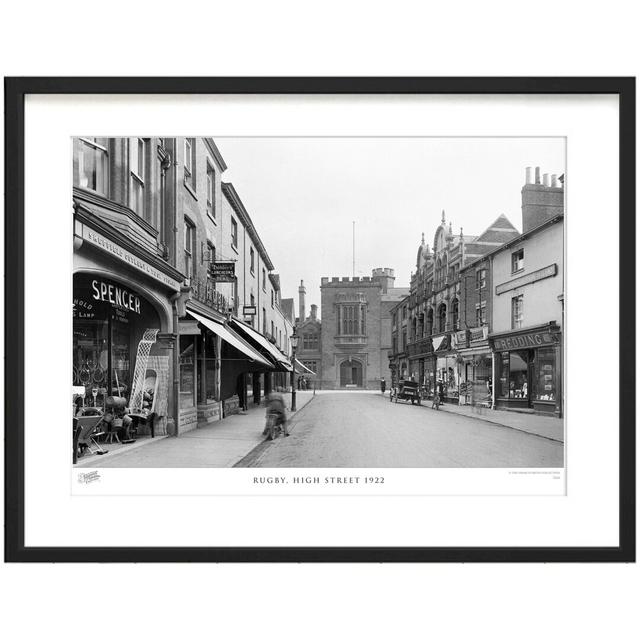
(545, 179)
(537, 175)
(527, 179)
(554, 180)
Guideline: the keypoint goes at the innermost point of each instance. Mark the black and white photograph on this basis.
(318, 302)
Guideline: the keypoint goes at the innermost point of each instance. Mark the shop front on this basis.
(446, 368)
(528, 369)
(115, 329)
(475, 367)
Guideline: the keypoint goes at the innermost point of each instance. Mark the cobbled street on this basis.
(366, 430)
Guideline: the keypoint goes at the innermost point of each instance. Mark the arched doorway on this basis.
(351, 373)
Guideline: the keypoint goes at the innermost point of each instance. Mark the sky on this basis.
(303, 195)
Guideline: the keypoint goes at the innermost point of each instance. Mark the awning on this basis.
(231, 337)
(299, 366)
(437, 342)
(264, 343)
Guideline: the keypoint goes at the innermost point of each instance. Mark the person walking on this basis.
(383, 386)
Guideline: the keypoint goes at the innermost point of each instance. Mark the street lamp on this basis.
(294, 346)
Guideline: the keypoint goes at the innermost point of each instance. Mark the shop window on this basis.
(545, 375)
(513, 375)
(206, 367)
(187, 370)
(137, 151)
(516, 312)
(190, 162)
(189, 247)
(211, 184)
(517, 260)
(91, 164)
(109, 320)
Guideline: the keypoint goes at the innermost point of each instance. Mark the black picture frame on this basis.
(16, 89)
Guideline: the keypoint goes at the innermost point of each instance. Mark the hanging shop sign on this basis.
(223, 271)
(125, 256)
(249, 311)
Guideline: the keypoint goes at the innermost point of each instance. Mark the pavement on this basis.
(544, 426)
(218, 444)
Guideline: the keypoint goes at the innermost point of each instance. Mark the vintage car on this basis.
(406, 390)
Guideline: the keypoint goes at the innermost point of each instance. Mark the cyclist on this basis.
(275, 407)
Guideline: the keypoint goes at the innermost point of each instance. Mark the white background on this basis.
(329, 39)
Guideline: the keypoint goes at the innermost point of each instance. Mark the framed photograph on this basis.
(320, 319)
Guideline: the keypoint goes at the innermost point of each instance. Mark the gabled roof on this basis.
(495, 235)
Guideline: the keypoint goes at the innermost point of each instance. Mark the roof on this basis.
(286, 306)
(275, 281)
(395, 294)
(234, 200)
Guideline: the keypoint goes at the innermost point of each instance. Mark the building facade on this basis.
(152, 221)
(528, 304)
(425, 324)
(356, 329)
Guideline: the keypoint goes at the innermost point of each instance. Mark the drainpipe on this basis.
(176, 364)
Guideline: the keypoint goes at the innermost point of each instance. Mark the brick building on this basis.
(356, 333)
(425, 324)
(151, 219)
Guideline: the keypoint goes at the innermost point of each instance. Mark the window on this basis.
(516, 312)
(264, 320)
(429, 322)
(253, 303)
(264, 280)
(481, 278)
(272, 330)
(272, 298)
(481, 314)
(234, 233)
(190, 162)
(310, 342)
(545, 375)
(352, 320)
(137, 148)
(312, 365)
(252, 260)
(442, 318)
(211, 191)
(517, 260)
(189, 244)
(455, 315)
(91, 168)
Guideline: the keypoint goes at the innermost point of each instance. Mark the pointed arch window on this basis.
(442, 317)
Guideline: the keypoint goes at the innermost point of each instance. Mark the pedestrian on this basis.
(436, 396)
(383, 386)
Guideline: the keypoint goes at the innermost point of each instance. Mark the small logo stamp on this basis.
(89, 476)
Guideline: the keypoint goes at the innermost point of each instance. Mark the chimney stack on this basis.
(301, 306)
(314, 311)
(541, 202)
